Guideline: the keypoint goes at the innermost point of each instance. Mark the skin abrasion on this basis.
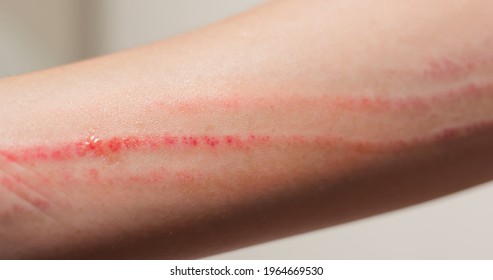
(23, 191)
(96, 147)
(365, 114)
(22, 166)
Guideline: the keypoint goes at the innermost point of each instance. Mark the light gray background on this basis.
(39, 34)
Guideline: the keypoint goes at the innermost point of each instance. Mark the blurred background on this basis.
(40, 34)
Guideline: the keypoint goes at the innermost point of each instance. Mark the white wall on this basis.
(455, 227)
(38, 34)
(127, 23)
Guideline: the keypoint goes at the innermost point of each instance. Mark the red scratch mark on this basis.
(61, 153)
(9, 156)
(211, 141)
(152, 142)
(345, 101)
(170, 140)
(444, 67)
(152, 177)
(97, 147)
(115, 144)
(234, 141)
(94, 144)
(17, 186)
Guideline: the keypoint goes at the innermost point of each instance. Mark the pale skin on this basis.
(291, 117)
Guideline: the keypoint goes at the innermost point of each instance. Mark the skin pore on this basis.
(294, 116)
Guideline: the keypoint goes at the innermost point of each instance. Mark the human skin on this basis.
(294, 116)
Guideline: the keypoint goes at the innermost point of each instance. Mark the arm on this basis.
(294, 116)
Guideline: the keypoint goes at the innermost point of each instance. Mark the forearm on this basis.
(288, 118)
